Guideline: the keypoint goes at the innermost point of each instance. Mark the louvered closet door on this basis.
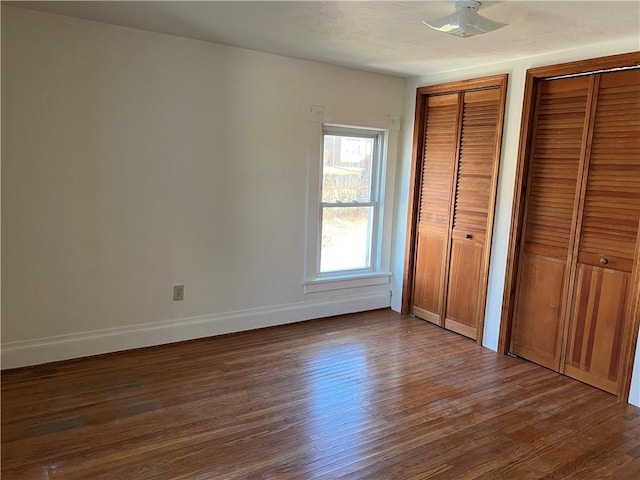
(474, 200)
(545, 251)
(608, 234)
(435, 200)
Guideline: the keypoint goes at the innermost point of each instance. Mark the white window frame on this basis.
(378, 137)
(385, 127)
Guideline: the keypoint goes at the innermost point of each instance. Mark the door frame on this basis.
(422, 93)
(533, 77)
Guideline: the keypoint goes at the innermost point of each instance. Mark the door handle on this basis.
(604, 261)
(468, 235)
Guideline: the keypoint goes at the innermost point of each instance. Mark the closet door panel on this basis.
(463, 299)
(475, 188)
(608, 233)
(434, 210)
(536, 334)
(543, 275)
(612, 198)
(593, 353)
(428, 281)
(477, 162)
(556, 153)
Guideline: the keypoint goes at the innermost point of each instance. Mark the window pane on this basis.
(346, 169)
(346, 238)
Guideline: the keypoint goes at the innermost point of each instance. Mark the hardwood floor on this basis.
(375, 395)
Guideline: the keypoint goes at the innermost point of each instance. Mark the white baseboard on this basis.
(64, 347)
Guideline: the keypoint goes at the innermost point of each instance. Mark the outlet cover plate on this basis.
(178, 293)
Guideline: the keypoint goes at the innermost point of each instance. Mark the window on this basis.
(351, 166)
(349, 200)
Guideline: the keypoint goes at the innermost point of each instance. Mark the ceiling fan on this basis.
(465, 22)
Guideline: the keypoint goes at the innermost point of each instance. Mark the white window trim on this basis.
(352, 281)
(318, 118)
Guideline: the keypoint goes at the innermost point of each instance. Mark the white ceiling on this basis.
(382, 36)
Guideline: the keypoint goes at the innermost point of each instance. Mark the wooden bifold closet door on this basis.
(572, 308)
(457, 157)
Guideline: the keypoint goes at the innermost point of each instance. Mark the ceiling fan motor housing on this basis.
(468, 4)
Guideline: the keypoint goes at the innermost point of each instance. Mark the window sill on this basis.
(326, 284)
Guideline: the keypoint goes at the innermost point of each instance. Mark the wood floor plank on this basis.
(373, 395)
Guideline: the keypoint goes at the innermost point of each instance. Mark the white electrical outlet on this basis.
(178, 293)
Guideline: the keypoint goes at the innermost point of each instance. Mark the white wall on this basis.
(132, 161)
(516, 70)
